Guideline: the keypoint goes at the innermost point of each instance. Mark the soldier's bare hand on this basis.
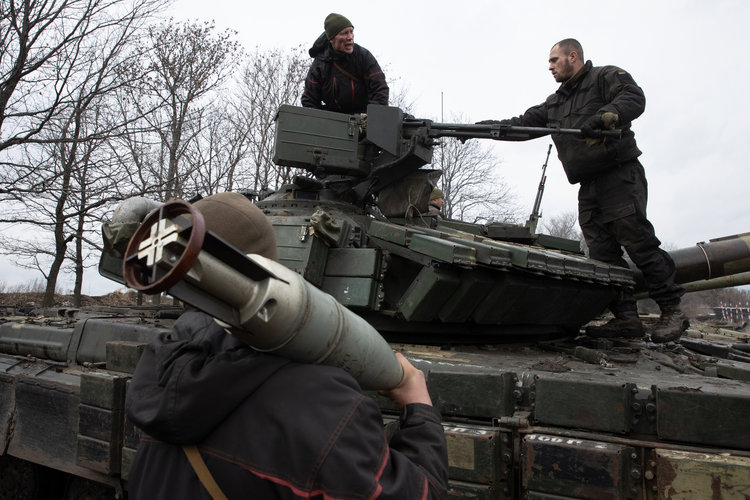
(413, 386)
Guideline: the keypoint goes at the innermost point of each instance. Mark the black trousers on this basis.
(612, 215)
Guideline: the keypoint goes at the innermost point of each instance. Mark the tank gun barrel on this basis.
(258, 300)
(705, 265)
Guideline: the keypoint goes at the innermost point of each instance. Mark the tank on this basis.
(493, 314)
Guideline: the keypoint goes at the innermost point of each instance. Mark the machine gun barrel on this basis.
(537, 209)
(496, 131)
(258, 300)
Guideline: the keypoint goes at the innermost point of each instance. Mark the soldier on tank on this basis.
(436, 203)
(613, 188)
(221, 420)
(344, 77)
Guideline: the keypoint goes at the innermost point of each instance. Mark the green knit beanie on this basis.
(435, 194)
(334, 23)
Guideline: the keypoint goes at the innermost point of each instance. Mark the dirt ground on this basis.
(34, 299)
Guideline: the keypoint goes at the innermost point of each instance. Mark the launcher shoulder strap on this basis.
(199, 466)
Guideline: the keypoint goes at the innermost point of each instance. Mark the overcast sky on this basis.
(489, 60)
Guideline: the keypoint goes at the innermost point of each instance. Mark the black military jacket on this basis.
(268, 427)
(594, 90)
(341, 82)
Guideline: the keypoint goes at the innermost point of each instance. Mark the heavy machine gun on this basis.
(364, 154)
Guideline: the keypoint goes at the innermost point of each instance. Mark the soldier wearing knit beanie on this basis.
(236, 220)
(436, 203)
(344, 76)
(334, 23)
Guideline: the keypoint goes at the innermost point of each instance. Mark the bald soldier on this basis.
(613, 189)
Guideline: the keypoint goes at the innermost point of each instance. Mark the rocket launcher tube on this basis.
(263, 303)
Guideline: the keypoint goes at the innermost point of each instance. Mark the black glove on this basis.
(592, 127)
(488, 122)
(602, 121)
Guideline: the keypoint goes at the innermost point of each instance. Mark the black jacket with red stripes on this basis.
(342, 82)
(268, 427)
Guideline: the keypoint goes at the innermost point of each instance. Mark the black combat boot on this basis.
(671, 324)
(625, 324)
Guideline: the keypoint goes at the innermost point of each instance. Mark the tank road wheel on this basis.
(158, 256)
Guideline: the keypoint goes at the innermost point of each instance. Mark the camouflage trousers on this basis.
(612, 215)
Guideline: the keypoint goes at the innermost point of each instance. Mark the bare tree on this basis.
(185, 65)
(564, 225)
(399, 95)
(138, 150)
(222, 144)
(62, 216)
(59, 180)
(270, 79)
(474, 192)
(41, 50)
